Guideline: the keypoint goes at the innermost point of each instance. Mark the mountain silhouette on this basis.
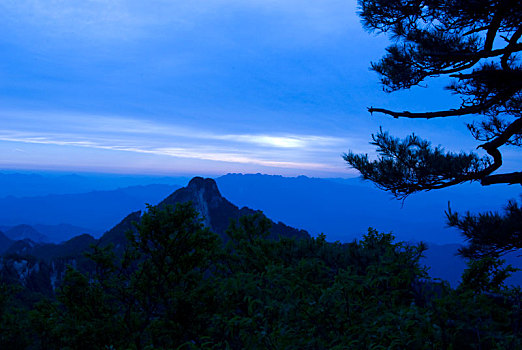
(95, 211)
(5, 242)
(215, 210)
(23, 231)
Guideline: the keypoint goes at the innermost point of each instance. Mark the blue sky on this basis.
(198, 87)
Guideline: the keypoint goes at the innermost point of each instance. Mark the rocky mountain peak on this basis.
(204, 195)
(209, 186)
(216, 211)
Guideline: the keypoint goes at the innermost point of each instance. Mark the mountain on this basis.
(63, 232)
(70, 249)
(48, 261)
(54, 233)
(343, 209)
(95, 211)
(116, 235)
(24, 247)
(23, 231)
(19, 184)
(217, 211)
(5, 242)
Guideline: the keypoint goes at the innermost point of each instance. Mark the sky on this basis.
(202, 87)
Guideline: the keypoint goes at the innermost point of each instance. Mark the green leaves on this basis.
(412, 165)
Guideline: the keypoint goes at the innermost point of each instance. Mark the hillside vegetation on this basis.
(177, 286)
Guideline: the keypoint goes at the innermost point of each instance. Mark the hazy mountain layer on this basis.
(46, 183)
(95, 211)
(343, 209)
(26, 260)
(23, 231)
(5, 242)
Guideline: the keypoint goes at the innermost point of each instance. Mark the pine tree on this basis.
(476, 43)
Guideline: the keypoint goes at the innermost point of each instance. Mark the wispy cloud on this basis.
(119, 134)
(286, 141)
(74, 125)
(178, 152)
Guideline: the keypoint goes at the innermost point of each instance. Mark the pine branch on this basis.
(512, 129)
(494, 26)
(512, 43)
(509, 178)
(439, 114)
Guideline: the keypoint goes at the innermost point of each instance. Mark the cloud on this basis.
(75, 125)
(284, 141)
(201, 153)
(119, 134)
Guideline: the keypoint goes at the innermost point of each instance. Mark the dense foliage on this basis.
(477, 44)
(491, 233)
(177, 287)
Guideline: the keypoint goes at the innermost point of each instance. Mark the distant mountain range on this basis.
(27, 261)
(93, 212)
(23, 231)
(46, 233)
(343, 209)
(19, 184)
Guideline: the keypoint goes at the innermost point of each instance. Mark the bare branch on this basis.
(509, 178)
(494, 26)
(512, 43)
(439, 114)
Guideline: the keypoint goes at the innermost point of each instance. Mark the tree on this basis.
(157, 295)
(490, 234)
(176, 287)
(474, 42)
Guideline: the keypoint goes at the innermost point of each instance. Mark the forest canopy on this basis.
(177, 286)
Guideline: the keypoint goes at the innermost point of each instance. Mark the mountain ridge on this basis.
(54, 258)
(217, 211)
(5, 242)
(95, 211)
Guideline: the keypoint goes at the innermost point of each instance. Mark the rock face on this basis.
(29, 272)
(216, 211)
